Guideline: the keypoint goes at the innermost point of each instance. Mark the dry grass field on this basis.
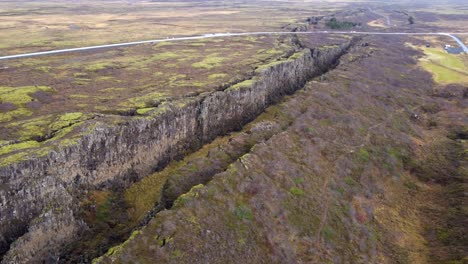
(41, 25)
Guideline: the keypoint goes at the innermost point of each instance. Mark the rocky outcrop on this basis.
(38, 197)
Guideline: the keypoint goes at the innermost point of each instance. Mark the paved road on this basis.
(219, 35)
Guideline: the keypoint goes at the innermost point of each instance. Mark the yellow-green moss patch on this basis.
(211, 61)
(246, 83)
(217, 76)
(66, 120)
(19, 97)
(143, 111)
(147, 100)
(99, 66)
(165, 56)
(19, 146)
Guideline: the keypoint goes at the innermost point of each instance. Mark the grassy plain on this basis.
(41, 25)
(445, 68)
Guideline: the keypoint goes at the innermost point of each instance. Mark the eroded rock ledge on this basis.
(39, 197)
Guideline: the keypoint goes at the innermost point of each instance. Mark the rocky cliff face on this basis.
(39, 197)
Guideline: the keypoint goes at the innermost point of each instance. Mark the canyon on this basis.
(39, 197)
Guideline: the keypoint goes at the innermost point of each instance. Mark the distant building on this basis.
(453, 50)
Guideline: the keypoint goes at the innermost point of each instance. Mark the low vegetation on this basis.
(446, 68)
(333, 23)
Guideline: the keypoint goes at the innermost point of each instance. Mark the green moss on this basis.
(66, 120)
(165, 56)
(296, 55)
(81, 81)
(296, 191)
(163, 240)
(145, 101)
(71, 116)
(211, 61)
(411, 185)
(19, 96)
(395, 153)
(325, 122)
(25, 154)
(269, 65)
(188, 83)
(19, 146)
(242, 212)
(184, 198)
(64, 131)
(310, 130)
(98, 66)
(363, 155)
(115, 250)
(246, 83)
(328, 233)
(80, 75)
(162, 44)
(31, 128)
(197, 44)
(298, 180)
(13, 158)
(45, 69)
(105, 78)
(268, 54)
(103, 210)
(251, 39)
(177, 76)
(350, 181)
(143, 111)
(217, 76)
(176, 254)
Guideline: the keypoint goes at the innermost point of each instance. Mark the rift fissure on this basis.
(41, 193)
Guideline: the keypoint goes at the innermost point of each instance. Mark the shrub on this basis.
(243, 213)
(333, 23)
(363, 155)
(296, 191)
